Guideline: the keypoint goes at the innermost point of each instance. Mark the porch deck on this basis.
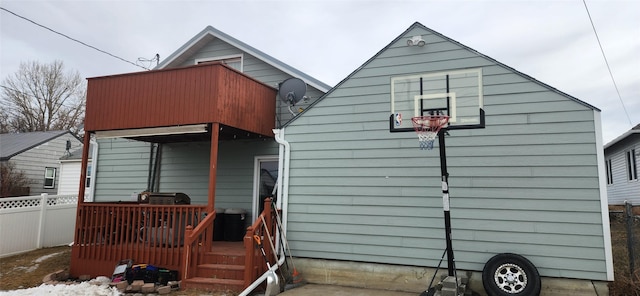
(163, 236)
(208, 102)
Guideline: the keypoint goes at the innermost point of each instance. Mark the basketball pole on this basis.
(445, 201)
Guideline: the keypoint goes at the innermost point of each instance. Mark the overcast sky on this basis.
(552, 41)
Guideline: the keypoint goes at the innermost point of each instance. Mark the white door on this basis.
(264, 180)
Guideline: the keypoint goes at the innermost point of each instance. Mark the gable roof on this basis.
(210, 33)
(13, 144)
(633, 131)
(421, 26)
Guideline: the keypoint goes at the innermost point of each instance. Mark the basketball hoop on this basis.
(427, 128)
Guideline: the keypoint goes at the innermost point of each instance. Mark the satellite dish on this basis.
(292, 90)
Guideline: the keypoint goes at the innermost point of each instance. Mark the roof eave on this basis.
(621, 137)
(418, 24)
(209, 30)
(8, 157)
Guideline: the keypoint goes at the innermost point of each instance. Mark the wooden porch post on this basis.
(83, 167)
(75, 250)
(213, 166)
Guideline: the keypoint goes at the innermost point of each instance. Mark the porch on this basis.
(165, 237)
(209, 104)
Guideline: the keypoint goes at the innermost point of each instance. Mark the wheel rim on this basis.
(510, 278)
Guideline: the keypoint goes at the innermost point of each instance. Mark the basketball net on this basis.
(427, 128)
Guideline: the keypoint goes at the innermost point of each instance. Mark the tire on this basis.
(510, 274)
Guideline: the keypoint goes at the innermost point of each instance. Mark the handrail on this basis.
(193, 235)
(252, 267)
(208, 220)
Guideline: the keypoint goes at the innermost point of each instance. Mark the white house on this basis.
(70, 167)
(621, 163)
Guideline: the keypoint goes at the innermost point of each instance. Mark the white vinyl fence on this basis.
(32, 222)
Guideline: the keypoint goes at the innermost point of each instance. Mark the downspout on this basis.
(283, 176)
(282, 199)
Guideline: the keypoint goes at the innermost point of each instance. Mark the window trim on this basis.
(222, 59)
(53, 178)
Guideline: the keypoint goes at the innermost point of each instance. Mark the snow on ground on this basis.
(96, 287)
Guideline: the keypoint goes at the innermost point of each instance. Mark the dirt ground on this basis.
(27, 270)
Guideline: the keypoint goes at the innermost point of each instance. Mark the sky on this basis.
(552, 41)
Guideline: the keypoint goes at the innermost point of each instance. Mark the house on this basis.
(530, 182)
(199, 126)
(622, 156)
(356, 198)
(69, 176)
(36, 154)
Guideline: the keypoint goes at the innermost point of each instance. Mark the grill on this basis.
(164, 198)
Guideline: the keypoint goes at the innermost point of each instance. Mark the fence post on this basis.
(628, 216)
(43, 209)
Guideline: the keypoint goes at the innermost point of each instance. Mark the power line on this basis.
(607, 63)
(73, 39)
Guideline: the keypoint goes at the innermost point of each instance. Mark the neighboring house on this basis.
(531, 182)
(37, 154)
(622, 163)
(69, 180)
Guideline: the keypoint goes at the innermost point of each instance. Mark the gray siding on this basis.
(527, 183)
(123, 169)
(185, 168)
(622, 188)
(34, 161)
(257, 69)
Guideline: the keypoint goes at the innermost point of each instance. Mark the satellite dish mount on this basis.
(291, 91)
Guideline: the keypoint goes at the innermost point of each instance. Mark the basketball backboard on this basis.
(457, 94)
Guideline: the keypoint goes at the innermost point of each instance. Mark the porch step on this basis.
(213, 284)
(221, 271)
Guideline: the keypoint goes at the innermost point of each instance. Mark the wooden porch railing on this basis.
(254, 263)
(197, 241)
(108, 232)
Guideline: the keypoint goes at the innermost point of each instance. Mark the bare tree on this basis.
(41, 97)
(13, 182)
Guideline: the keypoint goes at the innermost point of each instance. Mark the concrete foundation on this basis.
(416, 279)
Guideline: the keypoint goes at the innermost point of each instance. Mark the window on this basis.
(87, 183)
(607, 165)
(50, 177)
(632, 167)
(233, 61)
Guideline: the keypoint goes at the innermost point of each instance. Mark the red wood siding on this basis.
(198, 94)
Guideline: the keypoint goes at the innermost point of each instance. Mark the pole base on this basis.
(450, 287)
